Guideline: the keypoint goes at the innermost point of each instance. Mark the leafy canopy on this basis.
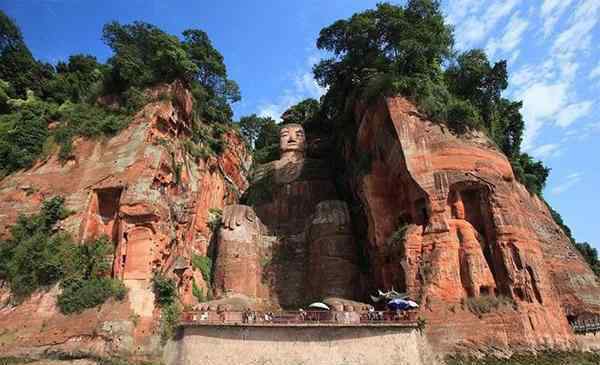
(145, 55)
(35, 95)
(262, 135)
(304, 112)
(17, 65)
(407, 50)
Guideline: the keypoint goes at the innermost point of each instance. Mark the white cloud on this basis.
(578, 35)
(528, 75)
(307, 85)
(567, 70)
(540, 102)
(303, 86)
(572, 112)
(551, 11)
(477, 26)
(513, 57)
(513, 33)
(275, 109)
(595, 73)
(594, 127)
(581, 134)
(457, 10)
(569, 181)
(546, 150)
(549, 90)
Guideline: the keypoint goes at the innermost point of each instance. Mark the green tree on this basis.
(75, 80)
(508, 127)
(33, 257)
(473, 78)
(17, 65)
(304, 112)
(400, 50)
(262, 136)
(23, 134)
(266, 145)
(388, 50)
(37, 256)
(212, 72)
(404, 41)
(261, 130)
(213, 91)
(145, 55)
(533, 174)
(590, 254)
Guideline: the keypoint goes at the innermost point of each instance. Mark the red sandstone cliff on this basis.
(127, 188)
(472, 234)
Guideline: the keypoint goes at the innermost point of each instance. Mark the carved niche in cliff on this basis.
(294, 242)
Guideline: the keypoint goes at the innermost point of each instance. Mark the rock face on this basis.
(294, 243)
(420, 210)
(470, 235)
(150, 197)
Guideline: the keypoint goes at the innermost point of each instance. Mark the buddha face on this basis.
(292, 138)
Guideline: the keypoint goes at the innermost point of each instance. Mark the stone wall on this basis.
(208, 345)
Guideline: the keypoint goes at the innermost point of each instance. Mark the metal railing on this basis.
(590, 325)
(298, 318)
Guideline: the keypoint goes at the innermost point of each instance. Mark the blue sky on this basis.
(552, 47)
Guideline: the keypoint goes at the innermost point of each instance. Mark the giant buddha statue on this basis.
(292, 242)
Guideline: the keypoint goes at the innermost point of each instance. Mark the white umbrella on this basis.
(319, 305)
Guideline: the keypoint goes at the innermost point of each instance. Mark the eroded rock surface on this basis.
(145, 192)
(472, 234)
(438, 216)
(294, 243)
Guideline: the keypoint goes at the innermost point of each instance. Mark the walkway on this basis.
(300, 319)
(583, 326)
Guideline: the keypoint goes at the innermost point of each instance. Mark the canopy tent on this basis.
(319, 305)
(401, 304)
(412, 304)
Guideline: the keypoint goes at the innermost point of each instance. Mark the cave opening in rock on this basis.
(484, 290)
(108, 211)
(472, 202)
(422, 216)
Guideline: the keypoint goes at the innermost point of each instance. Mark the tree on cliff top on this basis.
(590, 255)
(408, 50)
(145, 55)
(17, 65)
(67, 93)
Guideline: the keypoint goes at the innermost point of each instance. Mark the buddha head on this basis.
(292, 138)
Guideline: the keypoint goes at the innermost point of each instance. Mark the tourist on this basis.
(302, 315)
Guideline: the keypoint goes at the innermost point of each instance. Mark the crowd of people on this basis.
(249, 316)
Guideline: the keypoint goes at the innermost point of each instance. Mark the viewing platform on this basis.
(585, 326)
(406, 319)
(299, 337)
